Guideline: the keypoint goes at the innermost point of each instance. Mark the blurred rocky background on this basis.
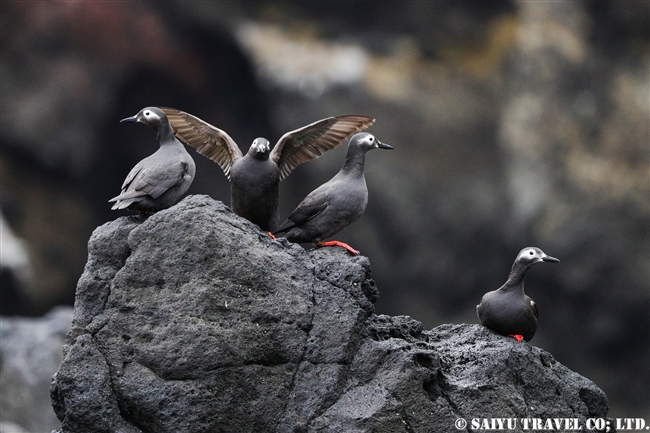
(515, 123)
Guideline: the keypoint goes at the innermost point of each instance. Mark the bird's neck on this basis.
(165, 135)
(516, 278)
(354, 162)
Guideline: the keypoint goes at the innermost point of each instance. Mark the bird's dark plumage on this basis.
(336, 204)
(159, 180)
(508, 310)
(255, 176)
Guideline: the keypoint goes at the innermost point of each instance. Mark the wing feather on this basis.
(311, 141)
(208, 140)
(143, 181)
(533, 306)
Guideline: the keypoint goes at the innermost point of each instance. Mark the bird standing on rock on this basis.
(508, 310)
(156, 182)
(336, 204)
(255, 177)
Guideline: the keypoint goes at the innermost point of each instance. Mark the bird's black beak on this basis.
(129, 119)
(550, 259)
(381, 145)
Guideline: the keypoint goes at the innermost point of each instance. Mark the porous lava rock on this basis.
(194, 320)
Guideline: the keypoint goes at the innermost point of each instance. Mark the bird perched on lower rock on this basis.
(156, 182)
(508, 310)
(336, 204)
(255, 177)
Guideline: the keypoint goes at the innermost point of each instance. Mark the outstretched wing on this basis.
(311, 141)
(209, 141)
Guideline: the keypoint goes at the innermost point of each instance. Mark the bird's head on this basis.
(260, 148)
(151, 116)
(532, 255)
(366, 141)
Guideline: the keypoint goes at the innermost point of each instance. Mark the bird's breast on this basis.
(251, 171)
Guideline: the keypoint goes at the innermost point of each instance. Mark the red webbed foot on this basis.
(272, 235)
(338, 244)
(519, 337)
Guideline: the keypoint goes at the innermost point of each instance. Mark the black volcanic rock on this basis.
(194, 320)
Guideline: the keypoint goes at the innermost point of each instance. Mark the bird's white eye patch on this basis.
(371, 138)
(528, 253)
(147, 113)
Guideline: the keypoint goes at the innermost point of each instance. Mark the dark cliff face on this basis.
(194, 320)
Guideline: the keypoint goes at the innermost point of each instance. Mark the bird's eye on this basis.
(531, 253)
(371, 139)
(147, 113)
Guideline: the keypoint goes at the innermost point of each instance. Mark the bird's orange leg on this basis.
(519, 337)
(338, 244)
(272, 235)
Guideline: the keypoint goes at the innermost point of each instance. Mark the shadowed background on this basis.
(514, 124)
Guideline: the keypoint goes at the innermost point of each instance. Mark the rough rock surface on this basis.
(195, 320)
